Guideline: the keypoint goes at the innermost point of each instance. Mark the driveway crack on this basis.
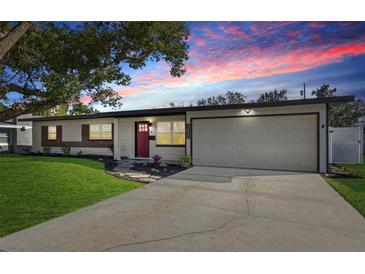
(246, 194)
(247, 212)
(179, 235)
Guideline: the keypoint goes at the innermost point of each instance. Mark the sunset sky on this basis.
(254, 57)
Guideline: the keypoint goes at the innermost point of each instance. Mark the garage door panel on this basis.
(269, 142)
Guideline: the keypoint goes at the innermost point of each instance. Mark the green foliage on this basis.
(59, 110)
(346, 114)
(36, 189)
(2, 107)
(353, 190)
(55, 64)
(341, 114)
(63, 109)
(324, 91)
(230, 97)
(47, 150)
(273, 96)
(179, 104)
(66, 150)
(185, 160)
(79, 109)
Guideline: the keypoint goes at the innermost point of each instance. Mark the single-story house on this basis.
(287, 135)
(16, 135)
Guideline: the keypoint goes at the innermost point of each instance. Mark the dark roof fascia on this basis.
(183, 110)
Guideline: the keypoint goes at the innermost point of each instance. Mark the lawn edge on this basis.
(344, 197)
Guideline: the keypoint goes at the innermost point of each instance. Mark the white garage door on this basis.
(264, 142)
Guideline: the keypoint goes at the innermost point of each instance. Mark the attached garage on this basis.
(277, 142)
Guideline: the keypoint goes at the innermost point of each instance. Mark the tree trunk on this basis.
(12, 37)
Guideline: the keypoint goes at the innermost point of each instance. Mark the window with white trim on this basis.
(100, 132)
(52, 133)
(4, 138)
(170, 133)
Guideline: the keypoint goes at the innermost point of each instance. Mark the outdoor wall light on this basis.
(247, 110)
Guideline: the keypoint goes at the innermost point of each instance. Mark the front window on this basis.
(100, 132)
(170, 133)
(4, 138)
(52, 133)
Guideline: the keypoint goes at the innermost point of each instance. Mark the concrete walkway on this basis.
(208, 209)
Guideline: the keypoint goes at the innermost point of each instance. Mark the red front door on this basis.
(142, 139)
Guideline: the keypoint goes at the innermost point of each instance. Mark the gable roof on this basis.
(183, 110)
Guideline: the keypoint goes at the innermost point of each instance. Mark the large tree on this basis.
(54, 64)
(273, 96)
(341, 114)
(230, 97)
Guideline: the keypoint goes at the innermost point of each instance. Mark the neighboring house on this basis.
(16, 135)
(288, 135)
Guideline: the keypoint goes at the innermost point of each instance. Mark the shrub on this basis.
(47, 150)
(156, 158)
(108, 163)
(66, 150)
(185, 160)
(26, 150)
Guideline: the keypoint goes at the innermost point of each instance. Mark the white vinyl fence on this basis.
(346, 145)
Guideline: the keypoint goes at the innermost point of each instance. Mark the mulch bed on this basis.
(338, 172)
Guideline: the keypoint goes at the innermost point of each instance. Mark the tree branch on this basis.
(12, 37)
(23, 90)
(24, 108)
(96, 73)
(12, 112)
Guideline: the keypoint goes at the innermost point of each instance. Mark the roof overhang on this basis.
(183, 110)
(6, 125)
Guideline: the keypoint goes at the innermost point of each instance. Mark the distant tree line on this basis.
(340, 114)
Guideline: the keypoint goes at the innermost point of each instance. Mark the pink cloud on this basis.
(211, 34)
(199, 42)
(294, 33)
(235, 31)
(85, 99)
(259, 63)
(316, 25)
(228, 52)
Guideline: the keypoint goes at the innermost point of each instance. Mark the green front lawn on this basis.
(36, 189)
(353, 190)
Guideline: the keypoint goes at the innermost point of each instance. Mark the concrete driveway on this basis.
(208, 209)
